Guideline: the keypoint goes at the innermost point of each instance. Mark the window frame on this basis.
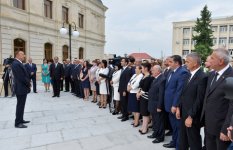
(48, 5)
(16, 4)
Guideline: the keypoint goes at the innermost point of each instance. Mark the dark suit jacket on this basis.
(174, 88)
(217, 110)
(75, 72)
(192, 96)
(56, 73)
(31, 69)
(67, 70)
(21, 78)
(156, 94)
(124, 79)
(166, 72)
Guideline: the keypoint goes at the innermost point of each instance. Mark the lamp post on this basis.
(63, 31)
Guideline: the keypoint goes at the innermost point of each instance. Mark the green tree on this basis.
(203, 34)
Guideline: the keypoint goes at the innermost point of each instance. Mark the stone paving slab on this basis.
(67, 123)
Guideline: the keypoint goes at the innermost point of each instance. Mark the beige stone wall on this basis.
(31, 26)
(178, 36)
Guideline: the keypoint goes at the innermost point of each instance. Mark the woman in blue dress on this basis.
(84, 75)
(45, 75)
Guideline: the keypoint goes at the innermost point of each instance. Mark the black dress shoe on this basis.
(58, 96)
(169, 145)
(54, 96)
(120, 117)
(115, 113)
(35, 92)
(20, 126)
(124, 119)
(169, 133)
(157, 140)
(25, 121)
(151, 136)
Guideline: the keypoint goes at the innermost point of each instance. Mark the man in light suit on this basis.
(21, 87)
(173, 88)
(31, 68)
(190, 104)
(217, 109)
(57, 74)
(156, 104)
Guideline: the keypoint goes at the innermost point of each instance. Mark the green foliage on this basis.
(203, 34)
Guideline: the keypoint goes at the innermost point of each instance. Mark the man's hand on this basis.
(61, 78)
(229, 132)
(173, 109)
(177, 113)
(223, 137)
(32, 73)
(124, 93)
(189, 122)
(159, 110)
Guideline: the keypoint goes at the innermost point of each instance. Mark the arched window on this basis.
(65, 52)
(80, 52)
(48, 51)
(19, 45)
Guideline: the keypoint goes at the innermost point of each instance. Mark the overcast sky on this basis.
(146, 25)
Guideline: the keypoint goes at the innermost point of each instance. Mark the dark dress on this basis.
(145, 86)
(86, 82)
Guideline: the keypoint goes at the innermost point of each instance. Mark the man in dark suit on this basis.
(173, 88)
(155, 104)
(21, 87)
(68, 67)
(190, 104)
(57, 75)
(217, 109)
(71, 77)
(75, 77)
(126, 74)
(31, 68)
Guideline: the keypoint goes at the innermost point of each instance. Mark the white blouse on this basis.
(116, 78)
(134, 82)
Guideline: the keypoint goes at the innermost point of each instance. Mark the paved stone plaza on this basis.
(67, 123)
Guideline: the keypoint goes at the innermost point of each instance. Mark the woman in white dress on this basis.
(104, 91)
(115, 84)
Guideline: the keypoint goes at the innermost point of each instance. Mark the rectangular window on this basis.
(222, 40)
(223, 28)
(185, 41)
(81, 20)
(230, 51)
(194, 42)
(19, 4)
(186, 31)
(231, 28)
(230, 40)
(214, 28)
(185, 52)
(214, 41)
(65, 12)
(48, 9)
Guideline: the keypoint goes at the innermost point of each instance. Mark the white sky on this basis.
(146, 25)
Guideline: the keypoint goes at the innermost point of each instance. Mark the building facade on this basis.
(183, 44)
(33, 27)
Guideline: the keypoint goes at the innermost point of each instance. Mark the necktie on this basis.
(170, 76)
(214, 79)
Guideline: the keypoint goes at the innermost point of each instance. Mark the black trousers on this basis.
(21, 100)
(190, 137)
(76, 85)
(56, 87)
(6, 82)
(72, 86)
(61, 84)
(124, 104)
(67, 83)
(158, 124)
(214, 143)
(33, 78)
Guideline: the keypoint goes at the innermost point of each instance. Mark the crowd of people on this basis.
(180, 96)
